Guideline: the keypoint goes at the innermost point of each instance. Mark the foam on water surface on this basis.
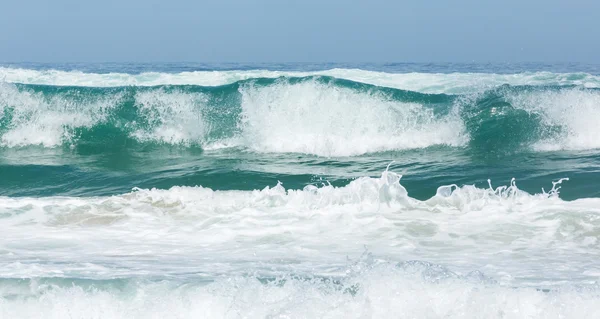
(469, 227)
(409, 289)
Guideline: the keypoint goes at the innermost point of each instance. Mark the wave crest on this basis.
(321, 116)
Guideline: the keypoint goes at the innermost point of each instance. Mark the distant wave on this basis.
(317, 115)
(452, 83)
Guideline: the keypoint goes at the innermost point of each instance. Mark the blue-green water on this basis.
(249, 190)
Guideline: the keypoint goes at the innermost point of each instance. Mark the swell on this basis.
(317, 115)
(449, 83)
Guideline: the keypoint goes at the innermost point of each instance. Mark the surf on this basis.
(316, 115)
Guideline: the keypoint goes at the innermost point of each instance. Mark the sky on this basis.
(300, 31)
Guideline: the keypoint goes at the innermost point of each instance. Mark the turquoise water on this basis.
(191, 190)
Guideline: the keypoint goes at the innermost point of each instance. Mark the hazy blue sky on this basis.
(299, 31)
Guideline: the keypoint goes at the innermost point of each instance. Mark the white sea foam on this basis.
(420, 82)
(409, 290)
(207, 248)
(151, 232)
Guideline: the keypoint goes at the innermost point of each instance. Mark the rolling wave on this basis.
(317, 115)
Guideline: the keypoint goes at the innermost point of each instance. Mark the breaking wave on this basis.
(313, 115)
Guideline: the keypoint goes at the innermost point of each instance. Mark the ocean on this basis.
(295, 190)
